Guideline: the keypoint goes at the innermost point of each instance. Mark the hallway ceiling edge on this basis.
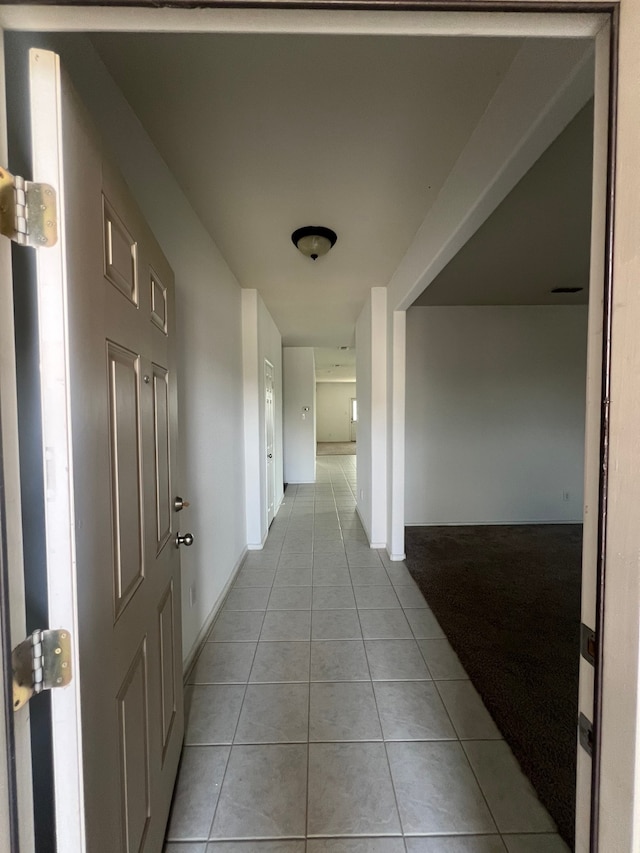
(270, 131)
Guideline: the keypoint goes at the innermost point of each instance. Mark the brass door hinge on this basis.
(41, 662)
(28, 211)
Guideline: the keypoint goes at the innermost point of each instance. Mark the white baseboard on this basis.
(257, 546)
(397, 558)
(204, 631)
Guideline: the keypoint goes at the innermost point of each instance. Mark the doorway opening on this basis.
(335, 401)
(303, 501)
(495, 440)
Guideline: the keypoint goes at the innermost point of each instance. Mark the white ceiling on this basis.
(537, 239)
(334, 364)
(272, 132)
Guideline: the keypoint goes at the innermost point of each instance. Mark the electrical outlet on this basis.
(361, 494)
(192, 595)
(566, 496)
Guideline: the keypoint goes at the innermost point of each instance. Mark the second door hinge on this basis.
(588, 644)
(41, 662)
(585, 733)
(28, 211)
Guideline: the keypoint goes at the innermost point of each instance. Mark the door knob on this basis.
(179, 503)
(187, 539)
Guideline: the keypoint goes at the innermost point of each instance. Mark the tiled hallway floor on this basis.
(327, 712)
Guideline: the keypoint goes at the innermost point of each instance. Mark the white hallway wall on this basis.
(495, 414)
(333, 410)
(208, 332)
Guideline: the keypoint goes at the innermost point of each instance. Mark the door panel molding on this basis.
(120, 254)
(162, 456)
(126, 474)
(133, 716)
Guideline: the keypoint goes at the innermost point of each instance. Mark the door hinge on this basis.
(41, 662)
(28, 211)
(588, 644)
(585, 733)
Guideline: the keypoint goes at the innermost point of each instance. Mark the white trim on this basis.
(13, 521)
(397, 433)
(56, 453)
(578, 25)
(190, 659)
(378, 415)
(593, 419)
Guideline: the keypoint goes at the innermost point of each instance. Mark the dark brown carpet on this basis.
(508, 599)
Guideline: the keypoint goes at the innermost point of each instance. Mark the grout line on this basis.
(244, 695)
(386, 753)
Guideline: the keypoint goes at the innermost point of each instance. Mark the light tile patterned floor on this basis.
(327, 713)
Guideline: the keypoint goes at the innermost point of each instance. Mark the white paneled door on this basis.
(269, 441)
(106, 308)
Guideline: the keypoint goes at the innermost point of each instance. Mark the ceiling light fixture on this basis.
(313, 240)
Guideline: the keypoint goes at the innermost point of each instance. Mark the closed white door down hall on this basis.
(109, 405)
(270, 433)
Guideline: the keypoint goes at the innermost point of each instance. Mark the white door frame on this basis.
(620, 796)
(16, 793)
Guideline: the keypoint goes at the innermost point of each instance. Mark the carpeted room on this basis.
(494, 450)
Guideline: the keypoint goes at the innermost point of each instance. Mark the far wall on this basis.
(299, 414)
(495, 405)
(333, 410)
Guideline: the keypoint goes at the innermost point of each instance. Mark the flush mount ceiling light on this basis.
(313, 240)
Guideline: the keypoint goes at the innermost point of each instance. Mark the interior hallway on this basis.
(328, 706)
